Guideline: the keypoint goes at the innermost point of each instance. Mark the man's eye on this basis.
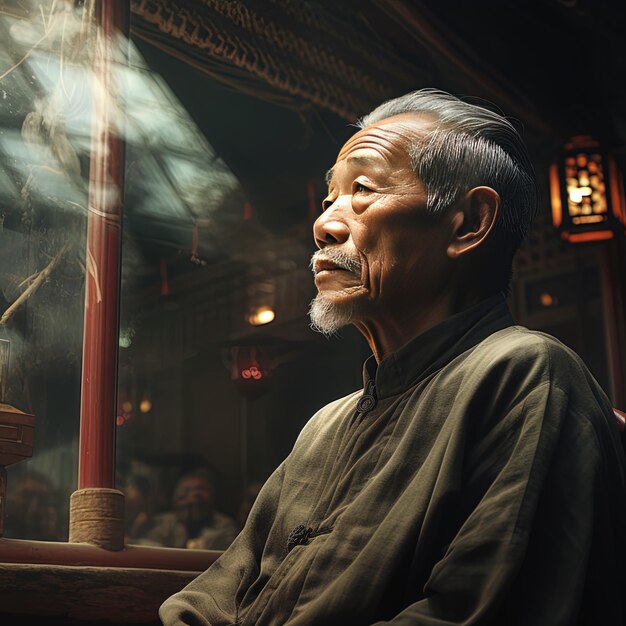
(360, 188)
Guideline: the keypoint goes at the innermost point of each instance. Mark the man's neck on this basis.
(390, 331)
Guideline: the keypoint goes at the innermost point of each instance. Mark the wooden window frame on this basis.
(24, 564)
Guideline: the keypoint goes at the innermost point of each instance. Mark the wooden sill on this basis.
(64, 594)
(54, 583)
(149, 557)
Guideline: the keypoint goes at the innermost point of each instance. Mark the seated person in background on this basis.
(31, 511)
(194, 522)
(137, 518)
(478, 479)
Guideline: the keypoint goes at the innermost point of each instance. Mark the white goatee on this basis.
(328, 315)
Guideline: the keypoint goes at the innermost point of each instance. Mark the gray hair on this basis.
(470, 146)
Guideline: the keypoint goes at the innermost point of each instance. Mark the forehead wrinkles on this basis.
(385, 140)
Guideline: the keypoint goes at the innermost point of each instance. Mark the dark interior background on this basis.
(556, 67)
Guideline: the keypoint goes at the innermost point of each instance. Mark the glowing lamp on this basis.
(586, 193)
(547, 299)
(145, 406)
(261, 315)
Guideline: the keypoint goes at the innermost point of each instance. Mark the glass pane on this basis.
(218, 368)
(44, 152)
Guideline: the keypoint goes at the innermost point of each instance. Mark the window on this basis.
(218, 370)
(44, 143)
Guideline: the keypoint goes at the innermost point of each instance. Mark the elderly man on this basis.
(478, 478)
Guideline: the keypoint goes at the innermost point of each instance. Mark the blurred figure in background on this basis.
(194, 522)
(137, 508)
(31, 511)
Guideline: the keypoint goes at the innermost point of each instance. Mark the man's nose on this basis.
(330, 229)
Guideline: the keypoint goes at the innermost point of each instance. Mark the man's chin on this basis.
(329, 314)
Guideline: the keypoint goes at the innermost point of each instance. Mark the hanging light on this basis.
(586, 193)
(261, 296)
(259, 315)
(145, 405)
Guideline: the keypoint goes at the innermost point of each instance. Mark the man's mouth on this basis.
(323, 265)
(334, 261)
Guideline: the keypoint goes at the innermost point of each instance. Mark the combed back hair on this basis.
(470, 146)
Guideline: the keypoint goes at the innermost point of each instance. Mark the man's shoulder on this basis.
(520, 340)
(532, 377)
(522, 346)
(533, 359)
(522, 358)
(326, 419)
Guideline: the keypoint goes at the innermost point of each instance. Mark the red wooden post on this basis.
(104, 239)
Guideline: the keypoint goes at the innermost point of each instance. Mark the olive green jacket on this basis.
(483, 482)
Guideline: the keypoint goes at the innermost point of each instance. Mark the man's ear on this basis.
(473, 217)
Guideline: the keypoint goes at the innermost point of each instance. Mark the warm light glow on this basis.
(127, 406)
(261, 315)
(555, 196)
(585, 192)
(145, 405)
(576, 193)
(588, 219)
(599, 235)
(547, 299)
(617, 191)
(587, 202)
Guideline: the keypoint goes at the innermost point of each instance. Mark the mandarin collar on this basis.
(436, 347)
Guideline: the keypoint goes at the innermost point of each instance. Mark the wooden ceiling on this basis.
(556, 66)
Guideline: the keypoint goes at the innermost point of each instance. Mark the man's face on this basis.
(193, 499)
(380, 251)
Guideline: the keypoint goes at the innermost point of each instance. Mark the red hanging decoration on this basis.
(195, 237)
(247, 211)
(250, 370)
(194, 242)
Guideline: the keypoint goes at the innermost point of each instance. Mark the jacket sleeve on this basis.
(213, 597)
(537, 507)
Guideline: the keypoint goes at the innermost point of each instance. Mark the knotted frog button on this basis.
(365, 403)
(298, 536)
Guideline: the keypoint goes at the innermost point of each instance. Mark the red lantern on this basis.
(586, 192)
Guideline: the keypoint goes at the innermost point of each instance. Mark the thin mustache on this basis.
(337, 257)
